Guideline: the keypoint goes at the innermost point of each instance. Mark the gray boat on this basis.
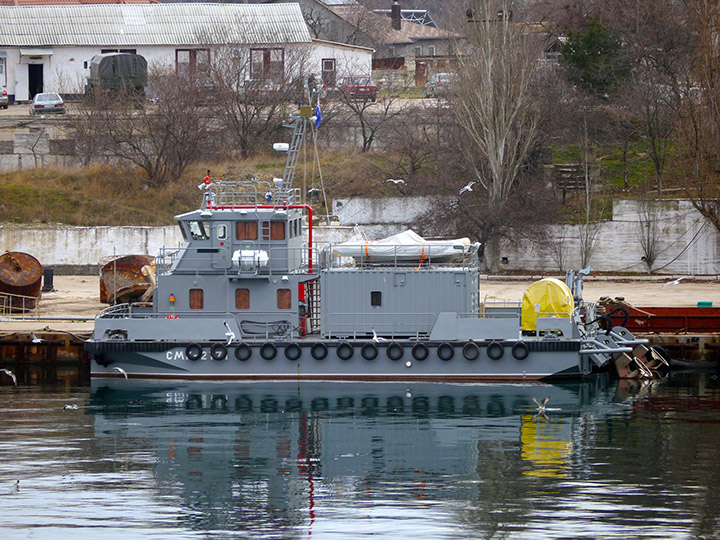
(249, 295)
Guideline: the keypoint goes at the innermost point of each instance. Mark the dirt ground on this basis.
(79, 297)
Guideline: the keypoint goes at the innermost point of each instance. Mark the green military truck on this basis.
(117, 71)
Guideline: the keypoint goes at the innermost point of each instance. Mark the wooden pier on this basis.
(44, 358)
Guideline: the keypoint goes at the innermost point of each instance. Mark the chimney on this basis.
(395, 15)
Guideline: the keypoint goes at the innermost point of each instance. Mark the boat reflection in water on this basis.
(262, 457)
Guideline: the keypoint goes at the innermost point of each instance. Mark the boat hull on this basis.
(339, 360)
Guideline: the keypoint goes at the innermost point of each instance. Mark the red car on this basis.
(3, 98)
(359, 87)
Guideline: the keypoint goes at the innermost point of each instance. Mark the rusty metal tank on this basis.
(127, 279)
(20, 276)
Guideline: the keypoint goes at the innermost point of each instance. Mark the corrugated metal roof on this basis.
(156, 24)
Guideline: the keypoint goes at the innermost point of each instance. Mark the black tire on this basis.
(395, 351)
(345, 350)
(193, 352)
(369, 351)
(420, 352)
(243, 352)
(293, 351)
(471, 351)
(445, 352)
(495, 350)
(268, 351)
(520, 350)
(319, 351)
(218, 351)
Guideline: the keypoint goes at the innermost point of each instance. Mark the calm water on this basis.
(349, 460)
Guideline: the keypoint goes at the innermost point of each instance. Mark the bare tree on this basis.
(374, 113)
(495, 103)
(700, 125)
(252, 104)
(648, 233)
(162, 138)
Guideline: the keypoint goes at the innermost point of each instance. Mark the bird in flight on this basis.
(395, 181)
(674, 282)
(121, 370)
(34, 338)
(540, 404)
(469, 186)
(10, 374)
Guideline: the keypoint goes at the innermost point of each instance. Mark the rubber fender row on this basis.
(369, 351)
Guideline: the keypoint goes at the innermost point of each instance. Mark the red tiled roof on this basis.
(380, 26)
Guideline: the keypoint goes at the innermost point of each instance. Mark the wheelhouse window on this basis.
(222, 231)
(267, 64)
(246, 230)
(284, 299)
(183, 231)
(197, 300)
(242, 298)
(199, 230)
(273, 230)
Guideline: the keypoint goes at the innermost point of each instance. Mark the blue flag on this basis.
(318, 116)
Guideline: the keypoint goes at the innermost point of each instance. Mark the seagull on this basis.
(540, 404)
(376, 338)
(674, 282)
(35, 339)
(469, 186)
(395, 181)
(121, 370)
(72, 407)
(10, 374)
(230, 334)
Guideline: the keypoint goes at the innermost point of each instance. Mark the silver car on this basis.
(48, 102)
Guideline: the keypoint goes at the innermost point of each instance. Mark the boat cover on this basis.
(405, 246)
(547, 296)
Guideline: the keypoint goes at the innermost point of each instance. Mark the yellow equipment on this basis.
(548, 296)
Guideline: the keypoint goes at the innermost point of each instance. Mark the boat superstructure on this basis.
(249, 295)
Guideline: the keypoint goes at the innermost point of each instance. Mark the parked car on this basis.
(4, 99)
(358, 87)
(440, 84)
(48, 102)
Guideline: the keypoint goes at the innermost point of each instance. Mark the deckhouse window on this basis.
(376, 298)
(222, 232)
(197, 300)
(246, 230)
(199, 230)
(242, 298)
(284, 299)
(277, 230)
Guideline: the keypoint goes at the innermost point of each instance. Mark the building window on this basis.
(284, 299)
(267, 64)
(432, 50)
(328, 71)
(3, 72)
(242, 298)
(375, 298)
(418, 51)
(246, 230)
(192, 63)
(196, 299)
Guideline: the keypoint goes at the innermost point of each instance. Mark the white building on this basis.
(49, 48)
